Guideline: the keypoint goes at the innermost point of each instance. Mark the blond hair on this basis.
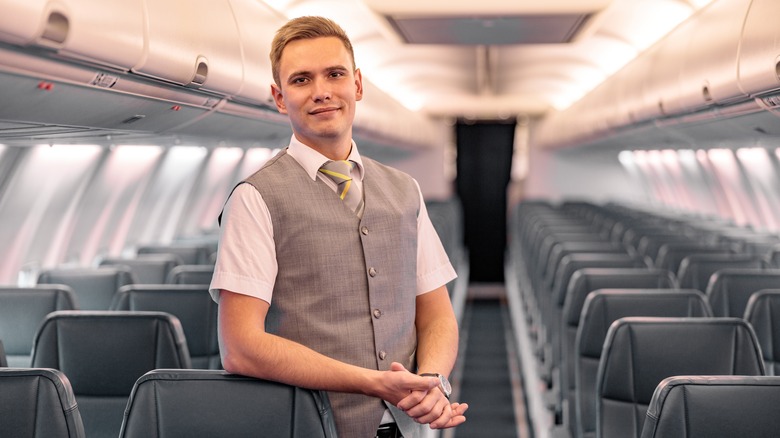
(305, 28)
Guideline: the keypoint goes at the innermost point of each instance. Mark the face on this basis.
(318, 92)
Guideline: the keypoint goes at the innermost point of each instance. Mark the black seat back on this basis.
(695, 270)
(104, 353)
(3, 358)
(671, 254)
(148, 268)
(601, 309)
(763, 314)
(191, 274)
(714, 407)
(22, 309)
(730, 289)
(188, 254)
(38, 403)
(639, 352)
(94, 287)
(191, 304)
(172, 403)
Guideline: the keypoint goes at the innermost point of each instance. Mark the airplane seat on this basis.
(190, 274)
(187, 403)
(773, 257)
(148, 268)
(22, 309)
(696, 269)
(189, 254)
(570, 265)
(729, 290)
(38, 403)
(649, 245)
(93, 287)
(714, 407)
(583, 282)
(763, 314)
(562, 249)
(600, 310)
(3, 357)
(671, 254)
(103, 353)
(639, 352)
(191, 304)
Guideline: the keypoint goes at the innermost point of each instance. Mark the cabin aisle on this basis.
(487, 371)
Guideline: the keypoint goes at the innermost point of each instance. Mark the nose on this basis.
(321, 91)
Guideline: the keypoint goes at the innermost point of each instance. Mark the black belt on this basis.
(389, 430)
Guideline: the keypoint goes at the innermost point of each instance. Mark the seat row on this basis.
(41, 403)
(24, 310)
(566, 253)
(94, 288)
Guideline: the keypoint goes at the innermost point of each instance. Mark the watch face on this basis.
(445, 385)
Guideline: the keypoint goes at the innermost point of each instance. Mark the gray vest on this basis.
(346, 287)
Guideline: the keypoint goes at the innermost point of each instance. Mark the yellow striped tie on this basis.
(340, 172)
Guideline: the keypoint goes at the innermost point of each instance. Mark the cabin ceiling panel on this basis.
(453, 58)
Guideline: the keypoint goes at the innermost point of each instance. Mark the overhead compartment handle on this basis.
(201, 72)
(56, 29)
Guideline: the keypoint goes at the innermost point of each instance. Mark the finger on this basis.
(439, 413)
(417, 383)
(459, 408)
(444, 418)
(431, 409)
(410, 401)
(455, 421)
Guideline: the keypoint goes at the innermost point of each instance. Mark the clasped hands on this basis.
(420, 398)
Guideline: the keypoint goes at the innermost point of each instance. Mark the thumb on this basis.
(395, 366)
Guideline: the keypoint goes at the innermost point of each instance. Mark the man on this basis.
(317, 293)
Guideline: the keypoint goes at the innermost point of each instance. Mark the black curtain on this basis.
(484, 166)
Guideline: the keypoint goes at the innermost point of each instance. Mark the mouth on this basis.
(325, 110)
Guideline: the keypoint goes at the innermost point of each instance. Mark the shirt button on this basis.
(377, 313)
(372, 272)
(364, 230)
(382, 355)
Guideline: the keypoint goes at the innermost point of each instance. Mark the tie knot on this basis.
(338, 171)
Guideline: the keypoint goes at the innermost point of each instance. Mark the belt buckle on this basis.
(388, 430)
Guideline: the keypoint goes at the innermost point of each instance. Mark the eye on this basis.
(299, 80)
(337, 74)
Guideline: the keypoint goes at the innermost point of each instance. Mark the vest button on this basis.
(382, 355)
(364, 230)
(372, 272)
(377, 313)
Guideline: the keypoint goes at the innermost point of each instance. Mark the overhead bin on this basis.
(33, 22)
(194, 43)
(83, 29)
(668, 69)
(759, 55)
(257, 24)
(643, 66)
(709, 75)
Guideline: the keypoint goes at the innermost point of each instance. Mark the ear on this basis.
(276, 92)
(358, 84)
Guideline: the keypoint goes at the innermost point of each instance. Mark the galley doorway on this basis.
(483, 173)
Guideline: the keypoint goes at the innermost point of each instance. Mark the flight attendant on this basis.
(329, 274)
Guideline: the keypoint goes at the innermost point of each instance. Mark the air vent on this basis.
(489, 30)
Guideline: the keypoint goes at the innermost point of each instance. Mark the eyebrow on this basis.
(308, 72)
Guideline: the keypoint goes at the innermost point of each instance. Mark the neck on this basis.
(333, 150)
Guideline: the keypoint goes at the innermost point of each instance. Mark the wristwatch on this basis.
(444, 384)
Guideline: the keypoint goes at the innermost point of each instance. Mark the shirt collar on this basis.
(311, 160)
